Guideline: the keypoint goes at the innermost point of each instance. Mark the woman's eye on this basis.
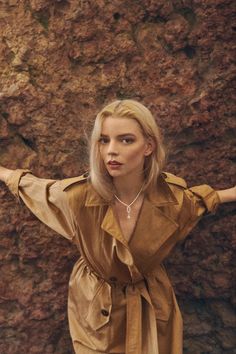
(127, 140)
(103, 140)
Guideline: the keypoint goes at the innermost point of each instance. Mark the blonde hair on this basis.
(100, 178)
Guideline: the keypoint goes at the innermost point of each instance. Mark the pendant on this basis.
(128, 212)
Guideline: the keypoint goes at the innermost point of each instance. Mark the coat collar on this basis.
(160, 225)
(161, 195)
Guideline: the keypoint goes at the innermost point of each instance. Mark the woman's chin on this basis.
(115, 173)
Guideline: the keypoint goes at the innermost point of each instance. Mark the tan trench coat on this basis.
(120, 297)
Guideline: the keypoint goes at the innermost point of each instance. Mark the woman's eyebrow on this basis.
(126, 134)
(119, 135)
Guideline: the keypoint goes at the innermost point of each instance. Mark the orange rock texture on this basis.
(61, 61)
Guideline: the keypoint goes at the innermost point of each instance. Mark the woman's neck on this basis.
(127, 189)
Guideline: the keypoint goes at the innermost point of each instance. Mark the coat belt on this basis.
(139, 321)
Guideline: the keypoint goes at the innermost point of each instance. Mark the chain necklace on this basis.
(128, 206)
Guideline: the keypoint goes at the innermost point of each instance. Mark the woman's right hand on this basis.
(4, 173)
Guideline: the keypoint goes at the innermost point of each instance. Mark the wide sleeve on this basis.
(46, 200)
(197, 201)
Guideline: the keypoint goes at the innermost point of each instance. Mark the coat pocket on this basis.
(90, 300)
(99, 309)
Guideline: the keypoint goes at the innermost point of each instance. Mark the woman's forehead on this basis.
(120, 125)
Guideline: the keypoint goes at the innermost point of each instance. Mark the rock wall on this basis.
(60, 62)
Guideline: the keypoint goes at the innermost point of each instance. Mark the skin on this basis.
(123, 141)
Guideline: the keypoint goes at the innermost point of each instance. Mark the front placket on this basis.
(136, 292)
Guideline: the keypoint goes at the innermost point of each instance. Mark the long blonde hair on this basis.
(100, 179)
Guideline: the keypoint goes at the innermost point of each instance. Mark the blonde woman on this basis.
(124, 216)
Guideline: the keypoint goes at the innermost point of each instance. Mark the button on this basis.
(104, 312)
(113, 279)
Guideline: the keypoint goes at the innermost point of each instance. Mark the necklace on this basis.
(128, 206)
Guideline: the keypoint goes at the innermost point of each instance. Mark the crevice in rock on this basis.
(190, 51)
(159, 19)
(43, 18)
(156, 19)
(5, 115)
(29, 143)
(188, 14)
(116, 16)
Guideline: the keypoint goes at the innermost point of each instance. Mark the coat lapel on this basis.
(154, 226)
(111, 226)
(109, 223)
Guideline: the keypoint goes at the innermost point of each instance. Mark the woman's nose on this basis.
(112, 148)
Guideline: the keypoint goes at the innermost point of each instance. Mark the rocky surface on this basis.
(60, 62)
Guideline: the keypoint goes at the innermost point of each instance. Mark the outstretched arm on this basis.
(227, 195)
(44, 197)
(198, 200)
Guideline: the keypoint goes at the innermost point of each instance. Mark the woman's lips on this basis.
(114, 163)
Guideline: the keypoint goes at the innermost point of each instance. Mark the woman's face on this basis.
(123, 147)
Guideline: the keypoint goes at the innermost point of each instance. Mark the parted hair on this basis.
(153, 165)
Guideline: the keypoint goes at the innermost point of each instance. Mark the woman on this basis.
(124, 217)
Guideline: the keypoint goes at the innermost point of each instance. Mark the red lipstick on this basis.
(114, 165)
(114, 162)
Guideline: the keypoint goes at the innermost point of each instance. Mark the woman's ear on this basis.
(150, 146)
